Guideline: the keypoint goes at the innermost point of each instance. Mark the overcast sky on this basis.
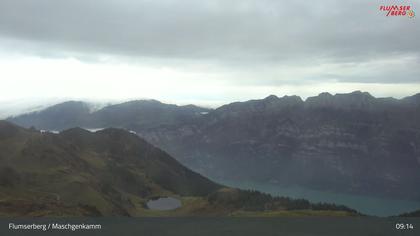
(206, 52)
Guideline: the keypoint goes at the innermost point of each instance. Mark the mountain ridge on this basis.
(76, 113)
(413, 99)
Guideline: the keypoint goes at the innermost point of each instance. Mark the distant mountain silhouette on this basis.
(350, 143)
(62, 116)
(130, 115)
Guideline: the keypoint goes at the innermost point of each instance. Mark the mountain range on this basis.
(135, 115)
(346, 143)
(113, 172)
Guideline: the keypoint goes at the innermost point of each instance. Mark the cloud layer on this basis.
(262, 43)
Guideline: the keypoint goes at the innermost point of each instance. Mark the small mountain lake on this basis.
(164, 204)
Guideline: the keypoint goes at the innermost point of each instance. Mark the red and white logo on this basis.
(398, 10)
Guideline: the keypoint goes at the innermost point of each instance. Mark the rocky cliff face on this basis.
(345, 143)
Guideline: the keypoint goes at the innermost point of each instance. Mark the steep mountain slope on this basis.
(343, 143)
(107, 171)
(111, 172)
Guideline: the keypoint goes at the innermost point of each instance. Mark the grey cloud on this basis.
(193, 28)
(233, 32)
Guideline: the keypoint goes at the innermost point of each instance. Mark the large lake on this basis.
(366, 205)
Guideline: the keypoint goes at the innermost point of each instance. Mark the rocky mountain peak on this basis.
(353, 100)
(412, 100)
(271, 98)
